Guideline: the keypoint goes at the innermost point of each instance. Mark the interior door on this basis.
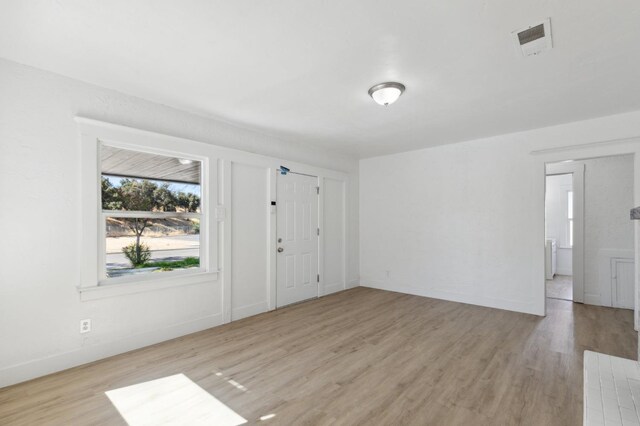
(297, 238)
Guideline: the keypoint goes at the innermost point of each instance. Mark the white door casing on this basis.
(592, 148)
(297, 238)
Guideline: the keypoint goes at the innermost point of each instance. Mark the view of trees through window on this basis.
(151, 225)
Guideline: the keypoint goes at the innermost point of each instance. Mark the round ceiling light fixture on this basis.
(386, 93)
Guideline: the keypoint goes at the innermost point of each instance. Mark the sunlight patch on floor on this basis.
(172, 400)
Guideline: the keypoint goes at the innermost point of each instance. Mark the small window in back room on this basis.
(151, 213)
(570, 217)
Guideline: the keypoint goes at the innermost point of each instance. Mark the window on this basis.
(570, 217)
(150, 214)
(145, 196)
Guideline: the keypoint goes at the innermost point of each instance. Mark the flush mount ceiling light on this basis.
(185, 161)
(386, 93)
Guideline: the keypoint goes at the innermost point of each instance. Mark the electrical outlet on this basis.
(85, 326)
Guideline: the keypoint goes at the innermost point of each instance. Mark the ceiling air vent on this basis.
(534, 39)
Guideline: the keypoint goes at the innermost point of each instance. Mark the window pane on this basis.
(165, 244)
(570, 204)
(132, 194)
(139, 181)
(570, 232)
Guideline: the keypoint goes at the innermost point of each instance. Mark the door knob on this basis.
(280, 249)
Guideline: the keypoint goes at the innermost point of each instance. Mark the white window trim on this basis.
(91, 285)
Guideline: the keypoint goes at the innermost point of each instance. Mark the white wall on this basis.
(40, 307)
(250, 251)
(465, 222)
(332, 226)
(608, 187)
(556, 219)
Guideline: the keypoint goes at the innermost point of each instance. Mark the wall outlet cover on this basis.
(85, 326)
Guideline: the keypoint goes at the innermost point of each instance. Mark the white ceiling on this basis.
(301, 69)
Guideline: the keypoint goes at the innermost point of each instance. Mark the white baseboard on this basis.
(249, 310)
(333, 288)
(592, 299)
(509, 305)
(62, 361)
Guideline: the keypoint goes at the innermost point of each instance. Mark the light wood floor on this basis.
(560, 287)
(362, 356)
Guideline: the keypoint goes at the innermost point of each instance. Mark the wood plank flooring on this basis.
(560, 287)
(362, 356)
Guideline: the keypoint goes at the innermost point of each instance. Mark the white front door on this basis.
(297, 238)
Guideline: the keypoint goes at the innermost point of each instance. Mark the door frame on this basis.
(576, 170)
(274, 294)
(543, 154)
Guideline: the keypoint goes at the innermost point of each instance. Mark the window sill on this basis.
(105, 290)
